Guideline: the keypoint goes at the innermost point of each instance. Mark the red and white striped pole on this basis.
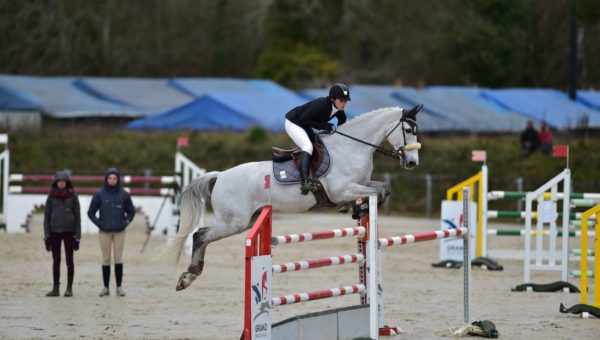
(317, 295)
(416, 238)
(310, 264)
(318, 235)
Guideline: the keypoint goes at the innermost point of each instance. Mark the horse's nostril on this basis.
(412, 164)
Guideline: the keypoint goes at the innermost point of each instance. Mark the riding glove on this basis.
(47, 243)
(75, 244)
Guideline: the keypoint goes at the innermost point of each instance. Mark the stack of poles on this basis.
(577, 200)
(480, 181)
(259, 243)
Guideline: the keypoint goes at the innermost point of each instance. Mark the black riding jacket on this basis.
(315, 114)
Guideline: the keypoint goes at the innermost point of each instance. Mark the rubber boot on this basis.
(54, 291)
(306, 184)
(69, 290)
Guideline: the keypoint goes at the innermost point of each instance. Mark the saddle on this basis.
(281, 155)
(286, 169)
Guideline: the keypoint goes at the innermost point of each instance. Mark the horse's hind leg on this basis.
(204, 236)
(197, 264)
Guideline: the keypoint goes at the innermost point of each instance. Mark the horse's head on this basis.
(403, 137)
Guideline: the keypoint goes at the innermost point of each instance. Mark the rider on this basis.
(315, 114)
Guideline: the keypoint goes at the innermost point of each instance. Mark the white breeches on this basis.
(299, 136)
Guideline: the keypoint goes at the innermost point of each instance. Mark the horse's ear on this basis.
(412, 113)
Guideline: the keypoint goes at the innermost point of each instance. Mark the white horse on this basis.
(238, 193)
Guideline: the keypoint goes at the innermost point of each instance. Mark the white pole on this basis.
(4, 157)
(484, 209)
(372, 270)
(527, 259)
(565, 225)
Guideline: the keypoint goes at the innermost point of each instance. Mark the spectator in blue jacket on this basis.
(116, 212)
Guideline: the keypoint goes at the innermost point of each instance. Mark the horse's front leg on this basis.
(354, 191)
(384, 190)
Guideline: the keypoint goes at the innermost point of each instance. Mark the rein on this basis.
(386, 152)
(399, 153)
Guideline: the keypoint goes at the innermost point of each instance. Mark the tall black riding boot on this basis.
(55, 279)
(306, 184)
(106, 280)
(119, 278)
(119, 273)
(69, 290)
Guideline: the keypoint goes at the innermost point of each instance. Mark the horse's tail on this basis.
(193, 200)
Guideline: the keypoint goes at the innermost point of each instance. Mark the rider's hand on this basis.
(330, 127)
(47, 243)
(75, 244)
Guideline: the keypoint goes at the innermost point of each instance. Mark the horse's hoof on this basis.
(185, 280)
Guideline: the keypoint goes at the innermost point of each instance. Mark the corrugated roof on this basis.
(366, 98)
(144, 94)
(59, 98)
(548, 105)
(227, 111)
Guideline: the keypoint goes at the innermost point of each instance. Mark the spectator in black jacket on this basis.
(529, 140)
(62, 223)
(316, 114)
(116, 212)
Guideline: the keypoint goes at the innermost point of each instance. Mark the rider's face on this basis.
(340, 104)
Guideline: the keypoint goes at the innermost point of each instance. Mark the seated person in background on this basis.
(529, 140)
(545, 138)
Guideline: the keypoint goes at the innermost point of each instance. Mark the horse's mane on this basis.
(364, 117)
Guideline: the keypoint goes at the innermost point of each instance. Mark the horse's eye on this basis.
(408, 130)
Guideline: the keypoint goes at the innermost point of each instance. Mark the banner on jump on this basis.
(261, 297)
(452, 218)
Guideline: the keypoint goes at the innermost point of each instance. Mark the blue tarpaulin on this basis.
(226, 111)
(197, 87)
(366, 98)
(58, 98)
(143, 94)
(589, 98)
(204, 113)
(10, 100)
(237, 104)
(548, 105)
(466, 106)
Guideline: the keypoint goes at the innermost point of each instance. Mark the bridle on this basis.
(400, 152)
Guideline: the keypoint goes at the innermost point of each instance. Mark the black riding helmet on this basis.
(340, 91)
